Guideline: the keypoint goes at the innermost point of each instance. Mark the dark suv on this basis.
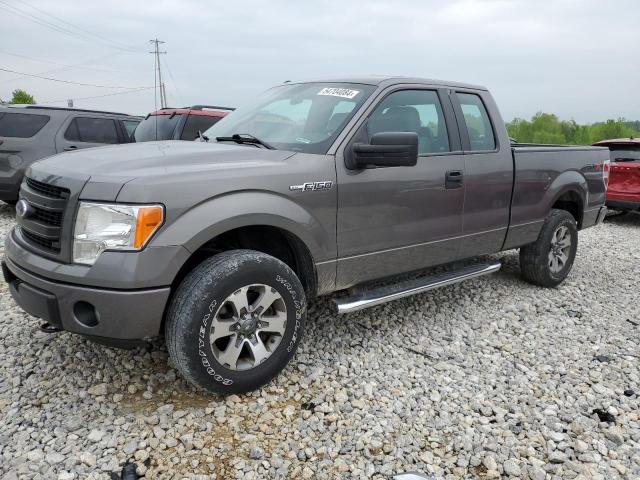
(31, 132)
(178, 123)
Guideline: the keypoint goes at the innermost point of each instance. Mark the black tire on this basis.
(199, 299)
(534, 258)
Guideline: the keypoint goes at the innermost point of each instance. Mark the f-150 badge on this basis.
(312, 186)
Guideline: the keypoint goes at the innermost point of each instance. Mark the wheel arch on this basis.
(569, 192)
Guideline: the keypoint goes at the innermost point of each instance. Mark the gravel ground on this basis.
(492, 378)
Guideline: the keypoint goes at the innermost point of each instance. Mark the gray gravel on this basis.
(489, 379)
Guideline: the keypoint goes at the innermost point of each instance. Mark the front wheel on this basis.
(548, 260)
(235, 321)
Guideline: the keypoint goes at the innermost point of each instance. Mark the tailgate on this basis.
(625, 178)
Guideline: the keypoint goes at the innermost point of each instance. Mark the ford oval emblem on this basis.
(23, 208)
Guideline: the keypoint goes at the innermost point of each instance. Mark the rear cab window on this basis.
(92, 130)
(21, 125)
(477, 121)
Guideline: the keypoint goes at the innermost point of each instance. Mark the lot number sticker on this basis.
(339, 92)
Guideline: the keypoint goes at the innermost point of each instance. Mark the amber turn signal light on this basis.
(148, 221)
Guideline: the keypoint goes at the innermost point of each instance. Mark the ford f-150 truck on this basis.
(313, 188)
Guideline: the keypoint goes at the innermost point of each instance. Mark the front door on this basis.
(398, 219)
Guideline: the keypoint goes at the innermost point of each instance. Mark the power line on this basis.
(93, 34)
(100, 96)
(173, 80)
(77, 65)
(45, 23)
(66, 81)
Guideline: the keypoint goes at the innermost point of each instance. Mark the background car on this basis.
(31, 132)
(178, 123)
(623, 193)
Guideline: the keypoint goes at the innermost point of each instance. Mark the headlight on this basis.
(101, 226)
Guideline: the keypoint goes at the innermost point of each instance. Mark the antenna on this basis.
(157, 52)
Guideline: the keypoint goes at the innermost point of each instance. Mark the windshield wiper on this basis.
(202, 136)
(244, 138)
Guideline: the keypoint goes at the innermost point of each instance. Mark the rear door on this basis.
(399, 219)
(86, 132)
(488, 172)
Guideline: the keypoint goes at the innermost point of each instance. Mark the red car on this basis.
(178, 123)
(624, 180)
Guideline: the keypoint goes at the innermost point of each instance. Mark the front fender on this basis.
(232, 210)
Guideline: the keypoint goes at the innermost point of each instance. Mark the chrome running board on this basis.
(387, 293)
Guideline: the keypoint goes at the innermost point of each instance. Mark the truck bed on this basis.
(542, 174)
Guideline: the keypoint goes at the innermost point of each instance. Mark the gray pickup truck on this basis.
(313, 188)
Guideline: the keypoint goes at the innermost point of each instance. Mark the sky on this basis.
(575, 58)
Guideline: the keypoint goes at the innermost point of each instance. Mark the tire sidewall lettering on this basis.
(300, 307)
(202, 349)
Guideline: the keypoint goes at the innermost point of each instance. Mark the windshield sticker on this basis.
(339, 92)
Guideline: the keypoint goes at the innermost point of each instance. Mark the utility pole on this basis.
(157, 52)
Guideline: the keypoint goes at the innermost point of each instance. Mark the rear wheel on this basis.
(548, 260)
(235, 321)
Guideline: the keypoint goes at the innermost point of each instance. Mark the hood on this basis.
(134, 160)
(104, 170)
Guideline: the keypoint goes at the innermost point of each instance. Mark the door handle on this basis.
(70, 148)
(453, 179)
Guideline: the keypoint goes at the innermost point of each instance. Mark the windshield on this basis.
(621, 153)
(303, 117)
(156, 127)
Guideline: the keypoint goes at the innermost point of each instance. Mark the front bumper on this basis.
(95, 312)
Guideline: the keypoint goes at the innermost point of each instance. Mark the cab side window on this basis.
(477, 121)
(416, 111)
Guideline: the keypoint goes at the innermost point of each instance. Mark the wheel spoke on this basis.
(563, 258)
(231, 354)
(239, 300)
(276, 323)
(266, 299)
(258, 350)
(221, 329)
(564, 242)
(554, 264)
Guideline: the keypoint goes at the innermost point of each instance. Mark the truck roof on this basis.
(384, 80)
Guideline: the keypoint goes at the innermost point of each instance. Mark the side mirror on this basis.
(387, 149)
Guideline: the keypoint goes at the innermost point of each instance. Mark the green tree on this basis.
(548, 128)
(22, 97)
